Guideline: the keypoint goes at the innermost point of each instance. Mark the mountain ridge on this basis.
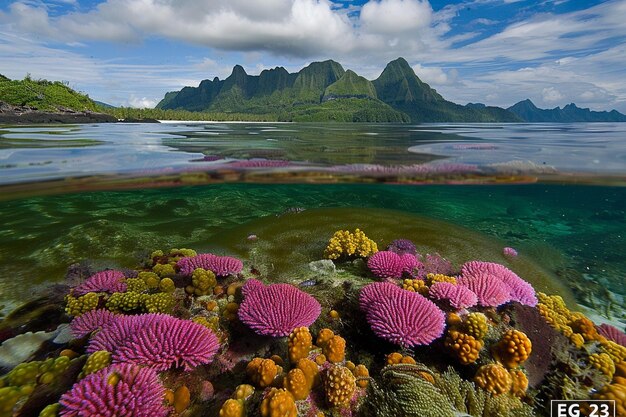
(570, 113)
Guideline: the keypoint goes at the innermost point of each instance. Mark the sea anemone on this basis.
(118, 390)
(159, 341)
(402, 317)
(104, 281)
(92, 320)
(276, 309)
(220, 265)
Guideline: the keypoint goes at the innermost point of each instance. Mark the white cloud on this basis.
(395, 16)
(436, 75)
(551, 95)
(142, 102)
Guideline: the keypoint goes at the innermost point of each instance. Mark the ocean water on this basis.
(107, 196)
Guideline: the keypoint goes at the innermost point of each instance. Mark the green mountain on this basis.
(324, 91)
(43, 95)
(527, 111)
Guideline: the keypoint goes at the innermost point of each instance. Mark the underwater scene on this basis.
(293, 269)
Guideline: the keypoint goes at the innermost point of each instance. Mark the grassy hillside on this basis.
(43, 95)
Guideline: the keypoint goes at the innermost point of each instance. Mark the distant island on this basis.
(320, 92)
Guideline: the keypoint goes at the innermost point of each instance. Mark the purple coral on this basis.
(220, 265)
(90, 321)
(276, 309)
(402, 317)
(519, 290)
(458, 296)
(612, 333)
(118, 390)
(259, 163)
(159, 341)
(402, 246)
(437, 264)
(104, 281)
(386, 264)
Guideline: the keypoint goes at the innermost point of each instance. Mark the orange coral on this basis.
(324, 336)
(243, 392)
(233, 408)
(615, 392)
(361, 372)
(394, 358)
(262, 371)
(335, 349)
(182, 398)
(519, 383)
(296, 383)
(339, 385)
(465, 347)
(279, 403)
(310, 370)
(299, 344)
(513, 349)
(493, 378)
(585, 327)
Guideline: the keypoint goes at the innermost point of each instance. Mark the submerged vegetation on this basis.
(189, 333)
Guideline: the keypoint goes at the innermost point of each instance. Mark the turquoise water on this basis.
(576, 230)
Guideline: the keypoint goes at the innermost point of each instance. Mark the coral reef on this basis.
(464, 347)
(278, 403)
(402, 246)
(494, 378)
(276, 309)
(299, 344)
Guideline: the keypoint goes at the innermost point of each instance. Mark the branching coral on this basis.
(276, 309)
(346, 244)
(119, 390)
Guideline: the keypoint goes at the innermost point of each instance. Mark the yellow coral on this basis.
(136, 285)
(182, 398)
(296, 383)
(519, 383)
(393, 358)
(415, 285)
(151, 279)
(124, 301)
(233, 408)
(493, 378)
(615, 351)
(299, 344)
(432, 278)
(345, 244)
(262, 371)
(513, 349)
(615, 392)
(167, 285)
(158, 303)
(100, 359)
(585, 327)
(84, 303)
(243, 392)
(475, 325)
(339, 385)
(335, 349)
(577, 339)
(604, 363)
(465, 347)
(310, 370)
(202, 282)
(279, 403)
(164, 270)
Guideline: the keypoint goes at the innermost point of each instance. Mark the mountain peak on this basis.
(238, 71)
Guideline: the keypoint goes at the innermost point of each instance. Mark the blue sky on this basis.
(130, 52)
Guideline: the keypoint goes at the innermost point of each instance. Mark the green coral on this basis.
(164, 270)
(405, 393)
(100, 359)
(9, 397)
(343, 243)
(23, 374)
(51, 368)
(167, 285)
(151, 279)
(158, 303)
(124, 301)
(75, 306)
(136, 285)
(476, 325)
(51, 410)
(202, 282)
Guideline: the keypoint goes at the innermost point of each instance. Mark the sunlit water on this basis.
(219, 180)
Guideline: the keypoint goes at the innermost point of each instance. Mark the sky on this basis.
(497, 52)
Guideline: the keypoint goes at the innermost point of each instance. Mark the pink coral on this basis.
(386, 264)
(259, 163)
(159, 341)
(510, 252)
(118, 390)
(458, 296)
(276, 309)
(612, 333)
(402, 317)
(104, 281)
(519, 290)
(92, 320)
(437, 264)
(490, 292)
(411, 265)
(220, 265)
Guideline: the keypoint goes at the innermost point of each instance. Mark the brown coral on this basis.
(339, 385)
(513, 349)
(279, 403)
(262, 371)
(299, 344)
(465, 347)
(493, 378)
(296, 383)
